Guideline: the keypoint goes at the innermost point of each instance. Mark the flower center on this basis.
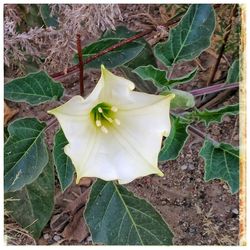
(104, 115)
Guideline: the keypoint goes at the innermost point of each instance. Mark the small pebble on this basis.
(85, 181)
(191, 167)
(46, 236)
(236, 137)
(227, 118)
(184, 167)
(235, 211)
(163, 202)
(56, 238)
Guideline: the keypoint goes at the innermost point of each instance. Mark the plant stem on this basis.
(222, 48)
(214, 89)
(201, 134)
(80, 56)
(75, 68)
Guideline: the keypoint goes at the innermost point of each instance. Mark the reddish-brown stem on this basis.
(80, 64)
(198, 132)
(214, 88)
(75, 68)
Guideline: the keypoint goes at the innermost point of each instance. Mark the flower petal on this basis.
(109, 157)
(75, 120)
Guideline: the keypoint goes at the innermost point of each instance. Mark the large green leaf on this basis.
(34, 88)
(181, 100)
(116, 217)
(113, 58)
(190, 37)
(215, 115)
(221, 162)
(174, 143)
(145, 57)
(234, 72)
(143, 86)
(159, 77)
(64, 167)
(32, 206)
(25, 153)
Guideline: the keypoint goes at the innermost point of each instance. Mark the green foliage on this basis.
(25, 153)
(145, 57)
(174, 143)
(34, 88)
(211, 116)
(234, 72)
(115, 57)
(30, 17)
(190, 37)
(64, 167)
(221, 162)
(181, 100)
(159, 77)
(48, 19)
(32, 206)
(116, 217)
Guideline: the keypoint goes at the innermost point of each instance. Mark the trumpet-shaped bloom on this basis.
(115, 133)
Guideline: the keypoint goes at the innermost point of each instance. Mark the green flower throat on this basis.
(104, 116)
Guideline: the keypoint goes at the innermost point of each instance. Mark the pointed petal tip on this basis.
(171, 96)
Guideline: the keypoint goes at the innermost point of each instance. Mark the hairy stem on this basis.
(214, 89)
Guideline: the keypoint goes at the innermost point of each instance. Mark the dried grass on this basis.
(56, 46)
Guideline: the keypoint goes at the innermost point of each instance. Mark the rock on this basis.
(236, 137)
(85, 181)
(57, 238)
(163, 202)
(226, 118)
(184, 167)
(46, 236)
(235, 211)
(191, 166)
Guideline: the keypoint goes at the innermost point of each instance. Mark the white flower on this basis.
(115, 133)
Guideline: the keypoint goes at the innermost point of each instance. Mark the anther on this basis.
(100, 110)
(117, 121)
(104, 129)
(98, 123)
(114, 109)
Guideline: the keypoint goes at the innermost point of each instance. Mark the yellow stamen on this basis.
(98, 123)
(114, 109)
(104, 130)
(117, 121)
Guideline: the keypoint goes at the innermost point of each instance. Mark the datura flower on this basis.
(115, 133)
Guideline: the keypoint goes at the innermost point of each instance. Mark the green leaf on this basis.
(34, 88)
(174, 143)
(48, 19)
(145, 57)
(143, 86)
(190, 37)
(221, 162)
(211, 116)
(181, 100)
(159, 77)
(32, 206)
(64, 167)
(25, 153)
(234, 72)
(113, 58)
(116, 217)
